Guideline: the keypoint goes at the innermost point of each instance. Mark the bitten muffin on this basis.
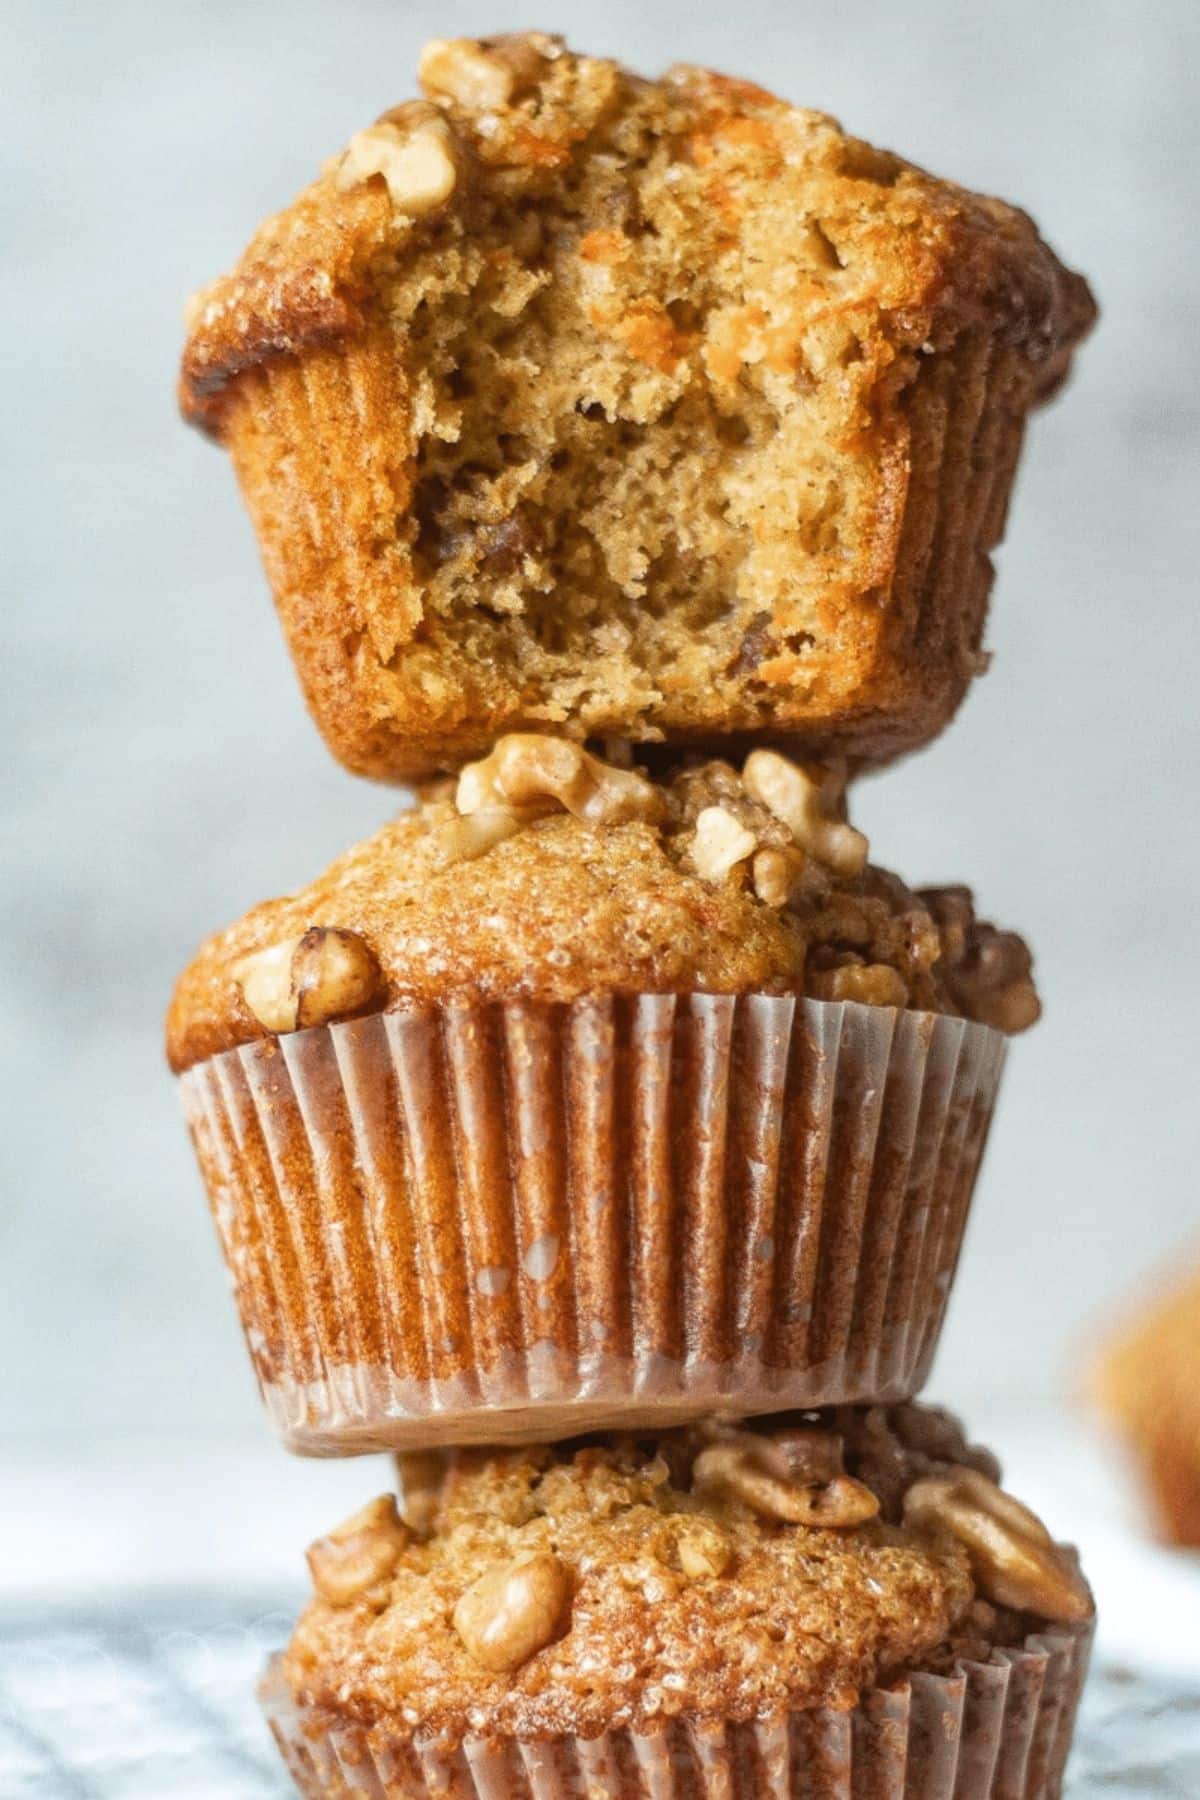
(521, 1120)
(643, 408)
(1147, 1381)
(698, 1599)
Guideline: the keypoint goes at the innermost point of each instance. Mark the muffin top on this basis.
(721, 169)
(547, 873)
(714, 1571)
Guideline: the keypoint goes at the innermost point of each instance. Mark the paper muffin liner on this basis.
(994, 1730)
(323, 471)
(520, 1221)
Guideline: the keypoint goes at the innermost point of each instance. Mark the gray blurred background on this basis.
(160, 774)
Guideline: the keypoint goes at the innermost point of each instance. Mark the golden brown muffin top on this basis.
(514, 118)
(715, 1571)
(547, 874)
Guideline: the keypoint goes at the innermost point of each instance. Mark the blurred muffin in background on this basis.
(1148, 1383)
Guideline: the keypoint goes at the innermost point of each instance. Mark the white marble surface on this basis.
(159, 773)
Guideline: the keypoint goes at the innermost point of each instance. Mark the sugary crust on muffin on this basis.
(684, 414)
(762, 1616)
(303, 281)
(563, 907)
(942, 258)
(804, 1618)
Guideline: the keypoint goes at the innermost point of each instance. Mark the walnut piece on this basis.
(512, 1611)
(361, 1552)
(989, 972)
(776, 874)
(463, 839)
(334, 972)
(871, 984)
(465, 71)
(325, 974)
(744, 1467)
(265, 978)
(720, 843)
(528, 769)
(1014, 1560)
(422, 1476)
(703, 1550)
(485, 74)
(808, 799)
(414, 149)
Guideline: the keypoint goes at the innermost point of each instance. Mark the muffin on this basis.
(653, 409)
(825, 1604)
(1147, 1382)
(580, 1097)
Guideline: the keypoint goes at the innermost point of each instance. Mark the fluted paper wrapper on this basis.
(522, 1221)
(995, 1730)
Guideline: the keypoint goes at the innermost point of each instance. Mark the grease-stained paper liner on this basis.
(519, 1220)
(995, 1730)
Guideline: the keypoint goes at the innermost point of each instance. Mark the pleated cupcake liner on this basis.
(324, 471)
(517, 1221)
(994, 1730)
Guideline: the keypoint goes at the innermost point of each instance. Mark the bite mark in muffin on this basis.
(663, 409)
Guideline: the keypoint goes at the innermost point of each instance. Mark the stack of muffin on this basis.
(599, 1136)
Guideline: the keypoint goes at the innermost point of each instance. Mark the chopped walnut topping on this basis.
(748, 1467)
(265, 980)
(810, 800)
(359, 1554)
(422, 1476)
(954, 910)
(526, 769)
(989, 973)
(703, 1550)
(776, 875)
(512, 1611)
(326, 974)
(1013, 1557)
(463, 70)
(463, 839)
(870, 984)
(485, 74)
(720, 844)
(334, 973)
(414, 149)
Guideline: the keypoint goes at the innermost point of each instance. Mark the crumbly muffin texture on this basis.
(547, 873)
(714, 1571)
(650, 408)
